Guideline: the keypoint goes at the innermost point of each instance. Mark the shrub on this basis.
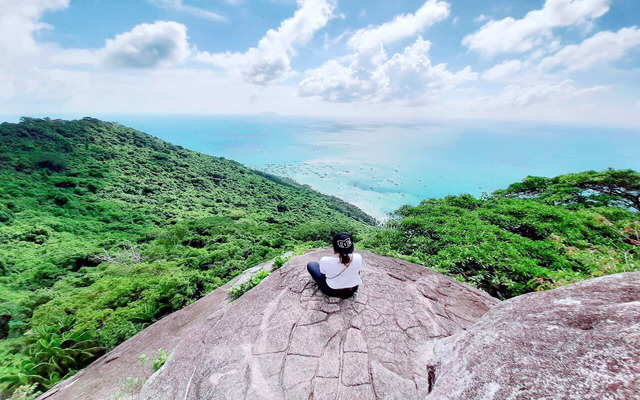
(237, 291)
(37, 235)
(279, 262)
(26, 392)
(159, 361)
(60, 199)
(5, 214)
(56, 352)
(51, 161)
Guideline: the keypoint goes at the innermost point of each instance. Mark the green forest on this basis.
(105, 229)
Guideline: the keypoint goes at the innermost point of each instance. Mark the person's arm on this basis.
(323, 266)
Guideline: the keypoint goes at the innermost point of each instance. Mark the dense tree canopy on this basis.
(510, 246)
(584, 189)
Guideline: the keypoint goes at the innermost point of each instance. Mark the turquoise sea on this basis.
(380, 166)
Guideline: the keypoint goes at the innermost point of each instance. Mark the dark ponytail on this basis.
(345, 259)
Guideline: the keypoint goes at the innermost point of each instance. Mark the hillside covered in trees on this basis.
(511, 243)
(105, 229)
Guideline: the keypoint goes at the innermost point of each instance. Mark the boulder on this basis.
(285, 340)
(581, 341)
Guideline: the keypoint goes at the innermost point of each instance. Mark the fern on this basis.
(55, 353)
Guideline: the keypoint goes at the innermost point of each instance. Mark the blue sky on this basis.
(553, 60)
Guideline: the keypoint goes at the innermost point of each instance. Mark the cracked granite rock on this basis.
(409, 333)
(578, 342)
(286, 340)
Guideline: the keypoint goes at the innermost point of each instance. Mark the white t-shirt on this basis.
(331, 266)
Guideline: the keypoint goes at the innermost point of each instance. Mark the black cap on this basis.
(342, 243)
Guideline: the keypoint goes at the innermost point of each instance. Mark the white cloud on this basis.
(506, 69)
(328, 42)
(519, 95)
(402, 26)
(335, 82)
(28, 68)
(270, 60)
(369, 75)
(19, 20)
(408, 76)
(601, 47)
(511, 35)
(481, 18)
(368, 43)
(36, 85)
(147, 46)
(41, 77)
(411, 75)
(178, 5)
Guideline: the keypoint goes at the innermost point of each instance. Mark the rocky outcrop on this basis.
(580, 341)
(286, 340)
(409, 333)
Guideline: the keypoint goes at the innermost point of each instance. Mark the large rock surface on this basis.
(409, 333)
(286, 340)
(580, 341)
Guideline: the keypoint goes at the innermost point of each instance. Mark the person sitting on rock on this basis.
(338, 275)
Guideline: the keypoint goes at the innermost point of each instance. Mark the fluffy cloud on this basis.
(41, 77)
(369, 75)
(402, 26)
(27, 67)
(335, 82)
(179, 6)
(511, 35)
(148, 45)
(603, 46)
(270, 60)
(19, 20)
(503, 70)
(409, 75)
(518, 95)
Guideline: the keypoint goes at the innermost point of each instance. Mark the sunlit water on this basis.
(381, 166)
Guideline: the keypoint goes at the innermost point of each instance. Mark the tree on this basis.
(610, 187)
